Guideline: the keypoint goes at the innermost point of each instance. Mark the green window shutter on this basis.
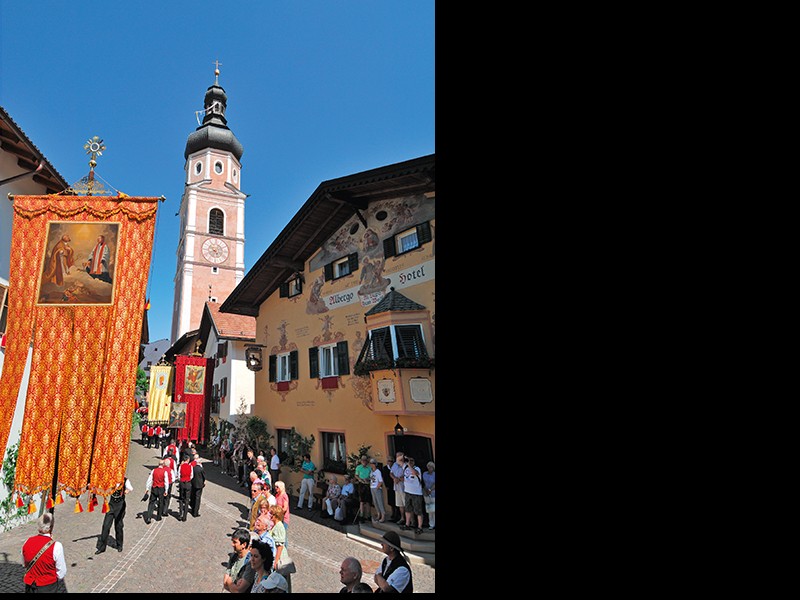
(284, 290)
(342, 358)
(389, 247)
(352, 262)
(313, 362)
(294, 366)
(328, 271)
(424, 233)
(273, 367)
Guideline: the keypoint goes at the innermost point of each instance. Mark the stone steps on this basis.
(419, 548)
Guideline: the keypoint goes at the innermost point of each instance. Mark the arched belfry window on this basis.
(216, 222)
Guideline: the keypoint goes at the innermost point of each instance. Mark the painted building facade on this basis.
(345, 307)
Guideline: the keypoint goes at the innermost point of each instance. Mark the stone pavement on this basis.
(174, 556)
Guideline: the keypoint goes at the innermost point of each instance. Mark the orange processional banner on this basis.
(78, 275)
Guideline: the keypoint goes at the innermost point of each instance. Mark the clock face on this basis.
(215, 251)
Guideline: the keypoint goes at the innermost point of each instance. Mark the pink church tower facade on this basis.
(210, 255)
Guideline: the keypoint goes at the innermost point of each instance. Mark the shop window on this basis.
(334, 455)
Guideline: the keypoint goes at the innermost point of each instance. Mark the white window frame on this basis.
(328, 361)
(406, 235)
(339, 268)
(283, 370)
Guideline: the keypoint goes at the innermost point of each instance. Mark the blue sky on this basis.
(317, 89)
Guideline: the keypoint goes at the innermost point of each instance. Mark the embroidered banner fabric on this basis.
(78, 407)
(159, 398)
(189, 370)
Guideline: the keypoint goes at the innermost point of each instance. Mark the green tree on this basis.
(298, 445)
(256, 435)
(9, 513)
(142, 383)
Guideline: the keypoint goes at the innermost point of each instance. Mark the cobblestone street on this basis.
(174, 556)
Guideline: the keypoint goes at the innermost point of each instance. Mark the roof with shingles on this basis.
(232, 326)
(394, 301)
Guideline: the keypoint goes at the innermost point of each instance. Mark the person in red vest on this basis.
(159, 434)
(172, 448)
(43, 558)
(151, 432)
(156, 486)
(172, 465)
(185, 474)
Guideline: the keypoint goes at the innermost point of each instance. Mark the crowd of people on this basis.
(260, 561)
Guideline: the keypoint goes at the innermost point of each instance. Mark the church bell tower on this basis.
(210, 256)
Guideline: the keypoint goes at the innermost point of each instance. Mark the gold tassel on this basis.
(59, 498)
(78, 507)
(105, 505)
(20, 503)
(31, 508)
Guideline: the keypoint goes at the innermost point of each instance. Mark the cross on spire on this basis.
(216, 72)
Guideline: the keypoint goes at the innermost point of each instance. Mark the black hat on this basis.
(393, 539)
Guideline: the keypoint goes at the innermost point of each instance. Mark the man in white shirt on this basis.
(412, 489)
(274, 466)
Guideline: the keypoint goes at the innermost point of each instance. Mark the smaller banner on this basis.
(177, 416)
(159, 399)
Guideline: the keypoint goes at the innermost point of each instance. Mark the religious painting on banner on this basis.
(195, 378)
(177, 416)
(78, 263)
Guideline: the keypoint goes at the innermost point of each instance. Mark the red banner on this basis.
(194, 377)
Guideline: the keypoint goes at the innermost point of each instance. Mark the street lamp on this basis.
(398, 429)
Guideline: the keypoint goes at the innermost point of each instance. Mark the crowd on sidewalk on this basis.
(261, 562)
(260, 559)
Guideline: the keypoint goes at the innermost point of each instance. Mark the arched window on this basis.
(216, 222)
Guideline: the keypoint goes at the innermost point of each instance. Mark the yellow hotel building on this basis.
(345, 307)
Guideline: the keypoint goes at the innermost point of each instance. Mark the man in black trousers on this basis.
(115, 514)
(198, 483)
(185, 473)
